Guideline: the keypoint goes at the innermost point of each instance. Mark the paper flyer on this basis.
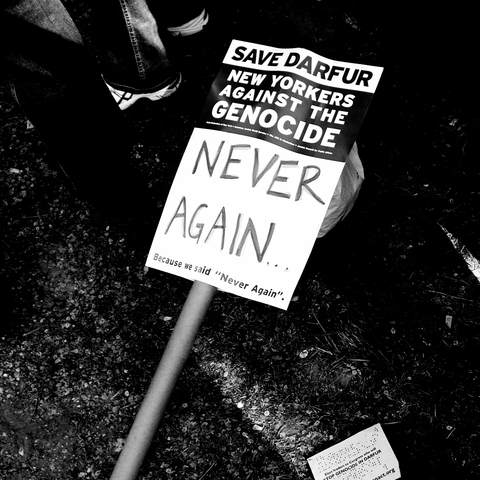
(366, 455)
(260, 169)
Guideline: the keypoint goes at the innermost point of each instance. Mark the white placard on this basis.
(260, 170)
(247, 224)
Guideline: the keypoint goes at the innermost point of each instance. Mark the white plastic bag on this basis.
(346, 193)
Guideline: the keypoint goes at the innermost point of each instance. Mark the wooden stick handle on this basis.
(158, 394)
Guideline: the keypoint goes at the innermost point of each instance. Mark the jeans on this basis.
(132, 50)
(57, 81)
(132, 54)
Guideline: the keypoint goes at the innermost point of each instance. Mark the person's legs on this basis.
(59, 87)
(132, 49)
(133, 55)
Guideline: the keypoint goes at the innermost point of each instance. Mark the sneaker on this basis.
(127, 99)
(191, 27)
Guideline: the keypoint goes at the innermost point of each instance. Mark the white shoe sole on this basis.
(127, 99)
(191, 27)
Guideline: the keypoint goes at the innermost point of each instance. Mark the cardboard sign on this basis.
(364, 456)
(260, 169)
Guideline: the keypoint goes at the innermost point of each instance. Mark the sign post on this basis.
(250, 194)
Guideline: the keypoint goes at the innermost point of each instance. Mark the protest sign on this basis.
(364, 456)
(260, 169)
